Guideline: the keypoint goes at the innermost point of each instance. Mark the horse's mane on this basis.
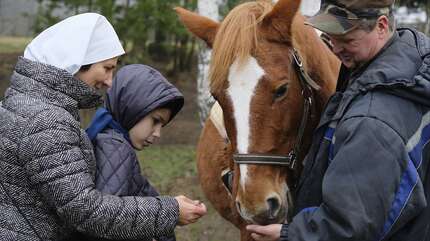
(236, 39)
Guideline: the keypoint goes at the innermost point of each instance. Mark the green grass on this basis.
(172, 170)
(13, 44)
(164, 164)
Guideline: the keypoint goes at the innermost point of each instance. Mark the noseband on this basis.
(290, 160)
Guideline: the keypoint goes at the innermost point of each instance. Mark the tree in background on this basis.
(149, 29)
(424, 4)
(44, 16)
(210, 9)
(150, 32)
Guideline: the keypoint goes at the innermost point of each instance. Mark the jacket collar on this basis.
(406, 48)
(54, 85)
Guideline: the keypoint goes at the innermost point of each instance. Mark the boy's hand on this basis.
(189, 210)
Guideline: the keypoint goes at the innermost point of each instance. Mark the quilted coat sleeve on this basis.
(50, 151)
(118, 169)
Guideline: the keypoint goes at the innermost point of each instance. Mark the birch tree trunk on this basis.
(427, 25)
(310, 7)
(208, 8)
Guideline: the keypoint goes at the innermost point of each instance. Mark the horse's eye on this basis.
(280, 91)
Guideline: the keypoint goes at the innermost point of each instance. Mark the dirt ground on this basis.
(7, 62)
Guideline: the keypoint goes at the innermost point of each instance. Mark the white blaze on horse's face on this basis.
(242, 83)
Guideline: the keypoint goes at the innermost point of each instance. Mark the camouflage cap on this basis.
(339, 17)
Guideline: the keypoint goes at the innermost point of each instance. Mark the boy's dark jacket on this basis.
(136, 91)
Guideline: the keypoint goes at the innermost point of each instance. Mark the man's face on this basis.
(356, 47)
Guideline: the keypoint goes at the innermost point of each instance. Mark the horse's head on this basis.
(255, 80)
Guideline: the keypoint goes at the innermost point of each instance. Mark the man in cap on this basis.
(366, 175)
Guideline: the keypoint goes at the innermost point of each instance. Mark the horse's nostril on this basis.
(274, 206)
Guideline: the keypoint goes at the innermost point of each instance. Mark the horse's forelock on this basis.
(236, 40)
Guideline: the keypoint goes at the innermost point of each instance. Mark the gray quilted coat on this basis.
(47, 167)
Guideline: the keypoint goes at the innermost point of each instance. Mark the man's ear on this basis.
(383, 25)
(202, 27)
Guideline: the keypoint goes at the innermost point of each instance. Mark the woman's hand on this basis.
(189, 210)
(270, 232)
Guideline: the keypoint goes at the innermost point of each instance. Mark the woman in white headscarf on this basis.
(46, 161)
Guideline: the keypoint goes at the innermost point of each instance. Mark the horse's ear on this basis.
(280, 19)
(202, 27)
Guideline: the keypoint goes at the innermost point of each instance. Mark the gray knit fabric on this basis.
(47, 167)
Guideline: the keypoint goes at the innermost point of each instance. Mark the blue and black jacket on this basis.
(366, 176)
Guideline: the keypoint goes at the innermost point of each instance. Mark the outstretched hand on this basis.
(189, 210)
(270, 232)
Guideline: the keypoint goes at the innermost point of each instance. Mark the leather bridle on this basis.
(308, 85)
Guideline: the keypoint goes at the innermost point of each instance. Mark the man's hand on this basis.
(270, 232)
(189, 210)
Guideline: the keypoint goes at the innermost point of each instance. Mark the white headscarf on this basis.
(78, 40)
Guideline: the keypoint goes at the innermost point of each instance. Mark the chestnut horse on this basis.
(271, 75)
